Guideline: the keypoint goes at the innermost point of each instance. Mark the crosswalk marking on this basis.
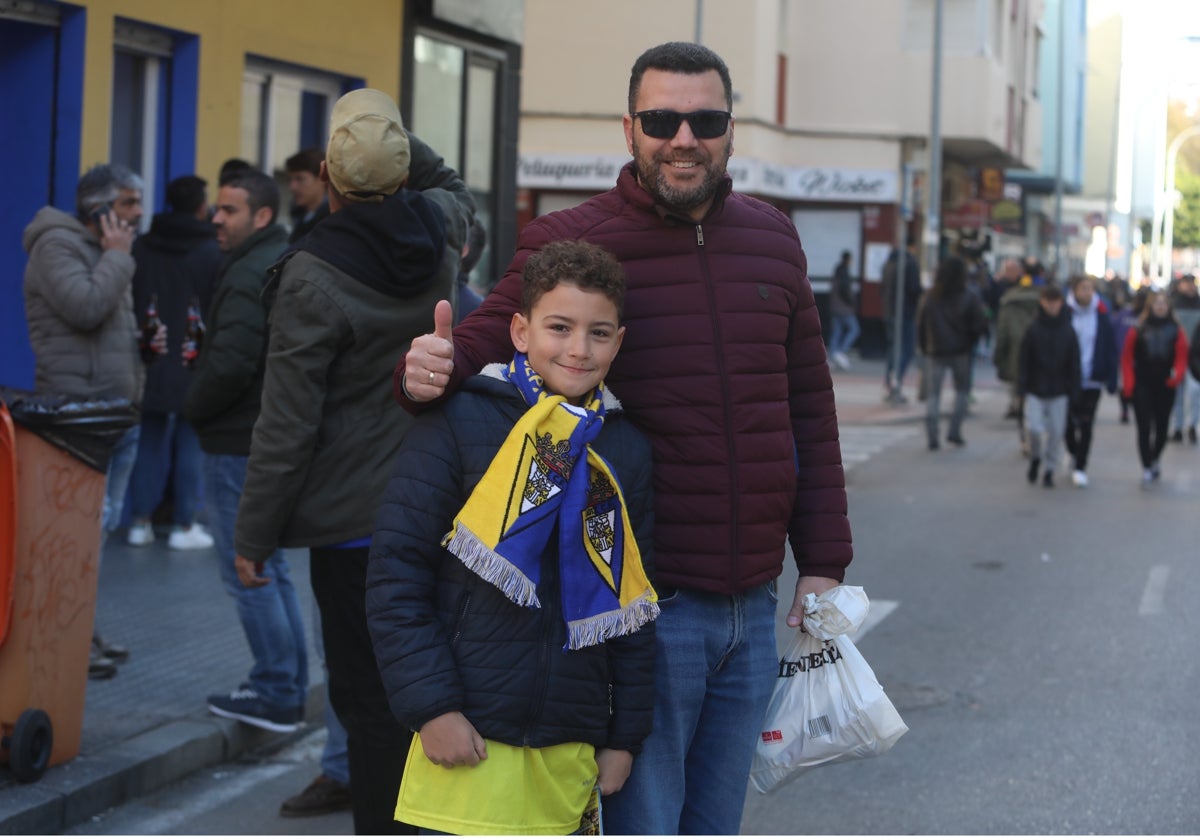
(859, 443)
(1155, 591)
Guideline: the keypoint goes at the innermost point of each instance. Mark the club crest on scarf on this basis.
(547, 474)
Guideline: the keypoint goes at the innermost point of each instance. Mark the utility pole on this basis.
(933, 209)
(1058, 150)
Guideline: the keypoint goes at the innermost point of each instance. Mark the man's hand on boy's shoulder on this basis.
(614, 767)
(450, 740)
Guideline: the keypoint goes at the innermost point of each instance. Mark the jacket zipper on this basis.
(726, 400)
(462, 617)
(543, 674)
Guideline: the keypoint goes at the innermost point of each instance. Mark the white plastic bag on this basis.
(827, 706)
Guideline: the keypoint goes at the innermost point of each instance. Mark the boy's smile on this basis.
(571, 338)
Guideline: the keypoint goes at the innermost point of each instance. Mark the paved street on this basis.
(1039, 643)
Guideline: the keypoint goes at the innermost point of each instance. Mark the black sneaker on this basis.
(323, 796)
(957, 440)
(1048, 479)
(1034, 465)
(1192, 435)
(245, 705)
(1177, 437)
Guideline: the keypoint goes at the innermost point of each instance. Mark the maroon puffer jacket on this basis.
(723, 368)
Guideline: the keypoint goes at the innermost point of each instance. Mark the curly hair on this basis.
(578, 263)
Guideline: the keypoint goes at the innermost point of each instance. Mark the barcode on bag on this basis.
(819, 726)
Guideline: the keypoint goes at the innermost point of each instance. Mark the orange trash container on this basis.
(51, 504)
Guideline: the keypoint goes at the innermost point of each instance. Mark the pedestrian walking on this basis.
(1185, 301)
(896, 367)
(1048, 378)
(950, 319)
(843, 310)
(1153, 363)
(1098, 363)
(747, 337)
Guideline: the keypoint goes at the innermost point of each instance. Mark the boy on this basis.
(1048, 377)
(508, 594)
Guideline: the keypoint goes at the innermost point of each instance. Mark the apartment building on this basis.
(172, 88)
(832, 101)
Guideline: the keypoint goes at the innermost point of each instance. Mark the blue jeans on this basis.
(270, 614)
(843, 333)
(116, 479)
(715, 669)
(908, 345)
(335, 757)
(935, 372)
(166, 439)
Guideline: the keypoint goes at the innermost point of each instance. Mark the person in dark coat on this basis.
(894, 370)
(527, 713)
(1098, 363)
(223, 404)
(1153, 364)
(1048, 378)
(950, 319)
(177, 265)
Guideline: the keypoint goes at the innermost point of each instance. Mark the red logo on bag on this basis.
(772, 735)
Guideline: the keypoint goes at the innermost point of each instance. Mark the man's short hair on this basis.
(578, 263)
(1050, 293)
(186, 194)
(1081, 278)
(306, 160)
(101, 185)
(231, 167)
(678, 57)
(261, 189)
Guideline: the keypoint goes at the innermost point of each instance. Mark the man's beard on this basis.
(653, 179)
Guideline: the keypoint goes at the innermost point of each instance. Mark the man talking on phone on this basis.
(84, 333)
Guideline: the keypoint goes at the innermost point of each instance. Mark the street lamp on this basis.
(1169, 194)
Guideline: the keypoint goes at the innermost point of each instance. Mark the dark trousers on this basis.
(1152, 406)
(1081, 418)
(378, 744)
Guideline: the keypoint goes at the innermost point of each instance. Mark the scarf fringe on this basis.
(596, 629)
(492, 567)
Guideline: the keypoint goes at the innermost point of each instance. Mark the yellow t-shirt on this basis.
(516, 790)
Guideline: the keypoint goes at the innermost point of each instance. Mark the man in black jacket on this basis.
(223, 405)
(1048, 377)
(348, 301)
(177, 265)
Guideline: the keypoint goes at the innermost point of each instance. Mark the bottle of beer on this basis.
(194, 336)
(149, 330)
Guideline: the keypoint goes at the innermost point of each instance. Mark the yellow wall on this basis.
(360, 38)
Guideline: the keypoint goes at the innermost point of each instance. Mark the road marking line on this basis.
(1155, 591)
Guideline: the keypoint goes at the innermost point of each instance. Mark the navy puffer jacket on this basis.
(446, 640)
(723, 367)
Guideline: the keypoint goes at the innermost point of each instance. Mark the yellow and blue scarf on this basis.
(532, 486)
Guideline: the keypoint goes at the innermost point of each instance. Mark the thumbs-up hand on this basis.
(430, 359)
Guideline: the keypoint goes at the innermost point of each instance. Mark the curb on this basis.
(87, 785)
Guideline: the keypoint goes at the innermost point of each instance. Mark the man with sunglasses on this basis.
(724, 369)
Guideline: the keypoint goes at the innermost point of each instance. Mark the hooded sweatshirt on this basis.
(80, 311)
(346, 305)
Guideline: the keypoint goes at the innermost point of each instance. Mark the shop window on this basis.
(455, 95)
(285, 109)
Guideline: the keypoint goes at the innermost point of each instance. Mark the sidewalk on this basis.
(149, 726)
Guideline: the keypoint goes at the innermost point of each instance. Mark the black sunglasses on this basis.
(663, 125)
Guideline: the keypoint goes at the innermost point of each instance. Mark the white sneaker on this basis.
(186, 538)
(1079, 477)
(140, 533)
(842, 360)
(1147, 479)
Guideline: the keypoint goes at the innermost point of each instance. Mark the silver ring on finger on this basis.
(430, 377)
